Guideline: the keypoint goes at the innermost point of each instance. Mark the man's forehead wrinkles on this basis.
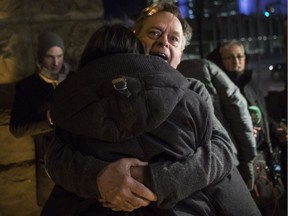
(166, 27)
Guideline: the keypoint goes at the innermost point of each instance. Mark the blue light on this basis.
(184, 9)
(266, 13)
(247, 7)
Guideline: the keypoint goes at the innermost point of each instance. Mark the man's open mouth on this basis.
(162, 55)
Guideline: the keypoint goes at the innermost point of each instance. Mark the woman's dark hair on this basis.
(108, 40)
(215, 57)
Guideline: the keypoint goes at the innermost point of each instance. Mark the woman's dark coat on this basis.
(156, 118)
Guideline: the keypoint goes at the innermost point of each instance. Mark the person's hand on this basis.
(137, 172)
(48, 115)
(256, 131)
(246, 170)
(119, 190)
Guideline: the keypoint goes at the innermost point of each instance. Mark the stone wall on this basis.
(21, 21)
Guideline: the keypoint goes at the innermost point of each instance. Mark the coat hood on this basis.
(118, 97)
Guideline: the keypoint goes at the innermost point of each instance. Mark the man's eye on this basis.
(154, 34)
(175, 39)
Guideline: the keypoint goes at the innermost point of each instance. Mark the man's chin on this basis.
(236, 70)
(55, 71)
(240, 72)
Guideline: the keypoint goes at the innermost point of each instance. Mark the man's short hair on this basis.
(230, 43)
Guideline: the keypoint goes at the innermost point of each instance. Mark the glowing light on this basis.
(246, 6)
(266, 13)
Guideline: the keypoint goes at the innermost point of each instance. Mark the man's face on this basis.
(162, 35)
(53, 60)
(233, 58)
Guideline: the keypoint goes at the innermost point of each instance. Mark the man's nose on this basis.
(163, 40)
(235, 59)
(55, 61)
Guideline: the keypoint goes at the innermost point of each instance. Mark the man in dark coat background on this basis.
(30, 115)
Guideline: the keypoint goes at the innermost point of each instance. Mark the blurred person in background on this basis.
(33, 101)
(231, 58)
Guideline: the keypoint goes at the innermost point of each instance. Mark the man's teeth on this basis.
(161, 55)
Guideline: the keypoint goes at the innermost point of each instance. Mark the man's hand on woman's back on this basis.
(119, 190)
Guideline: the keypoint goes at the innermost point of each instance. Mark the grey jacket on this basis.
(230, 107)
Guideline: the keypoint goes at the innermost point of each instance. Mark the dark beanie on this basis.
(47, 40)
